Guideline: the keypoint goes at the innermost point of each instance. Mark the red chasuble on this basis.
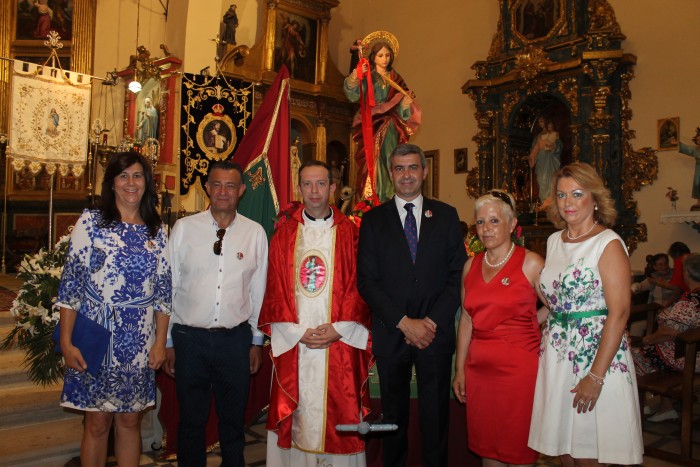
(348, 367)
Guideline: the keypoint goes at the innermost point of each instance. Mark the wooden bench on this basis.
(678, 385)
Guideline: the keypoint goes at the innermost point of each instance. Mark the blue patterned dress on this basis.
(117, 276)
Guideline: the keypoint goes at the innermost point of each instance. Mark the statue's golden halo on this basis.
(380, 36)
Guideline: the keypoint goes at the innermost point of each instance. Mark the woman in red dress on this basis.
(498, 337)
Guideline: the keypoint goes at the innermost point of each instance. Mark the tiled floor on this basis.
(254, 452)
(661, 435)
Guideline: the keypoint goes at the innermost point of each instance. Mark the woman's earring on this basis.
(595, 207)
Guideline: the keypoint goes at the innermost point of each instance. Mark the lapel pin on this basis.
(505, 281)
(428, 213)
(239, 255)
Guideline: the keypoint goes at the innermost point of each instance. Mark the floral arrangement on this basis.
(362, 207)
(33, 309)
(287, 213)
(474, 246)
(672, 196)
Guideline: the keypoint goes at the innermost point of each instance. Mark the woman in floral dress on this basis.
(659, 349)
(586, 407)
(116, 274)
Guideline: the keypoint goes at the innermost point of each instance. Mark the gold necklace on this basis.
(501, 262)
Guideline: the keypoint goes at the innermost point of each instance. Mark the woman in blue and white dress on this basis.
(586, 407)
(117, 274)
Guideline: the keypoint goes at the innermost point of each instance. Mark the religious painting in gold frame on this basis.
(431, 184)
(667, 131)
(535, 20)
(461, 164)
(296, 44)
(34, 19)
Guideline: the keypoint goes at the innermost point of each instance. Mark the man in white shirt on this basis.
(319, 326)
(219, 266)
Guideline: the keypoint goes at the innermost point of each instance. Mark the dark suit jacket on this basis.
(394, 287)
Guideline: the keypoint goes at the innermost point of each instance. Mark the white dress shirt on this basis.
(211, 291)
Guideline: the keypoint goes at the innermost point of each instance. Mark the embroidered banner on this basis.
(215, 115)
(49, 123)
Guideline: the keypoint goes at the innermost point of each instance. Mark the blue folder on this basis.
(91, 338)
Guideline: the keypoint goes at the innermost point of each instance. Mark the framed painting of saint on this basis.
(461, 160)
(35, 18)
(296, 45)
(667, 132)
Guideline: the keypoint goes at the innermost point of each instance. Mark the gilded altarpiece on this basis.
(559, 61)
(23, 26)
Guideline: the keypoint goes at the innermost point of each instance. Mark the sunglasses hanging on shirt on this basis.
(217, 244)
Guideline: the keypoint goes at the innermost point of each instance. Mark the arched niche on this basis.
(523, 129)
(303, 137)
(337, 158)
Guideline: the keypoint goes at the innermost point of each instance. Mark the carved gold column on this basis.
(599, 159)
(575, 149)
(323, 50)
(5, 31)
(321, 139)
(269, 51)
(82, 45)
(486, 151)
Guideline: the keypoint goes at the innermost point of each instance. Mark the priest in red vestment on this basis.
(319, 327)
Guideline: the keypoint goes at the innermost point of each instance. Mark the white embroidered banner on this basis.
(50, 116)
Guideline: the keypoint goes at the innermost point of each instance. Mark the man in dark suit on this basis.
(410, 261)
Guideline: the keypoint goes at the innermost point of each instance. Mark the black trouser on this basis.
(207, 360)
(433, 374)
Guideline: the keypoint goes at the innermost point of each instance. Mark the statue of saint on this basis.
(230, 24)
(545, 158)
(393, 118)
(694, 151)
(147, 126)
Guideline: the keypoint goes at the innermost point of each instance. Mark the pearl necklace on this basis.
(583, 234)
(501, 262)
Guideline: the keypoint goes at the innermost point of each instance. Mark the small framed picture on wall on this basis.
(461, 160)
(668, 130)
(431, 184)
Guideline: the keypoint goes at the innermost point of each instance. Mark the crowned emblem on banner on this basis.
(216, 134)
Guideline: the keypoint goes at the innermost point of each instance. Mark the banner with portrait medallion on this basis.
(216, 112)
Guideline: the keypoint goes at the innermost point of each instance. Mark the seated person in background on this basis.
(662, 273)
(657, 294)
(660, 296)
(658, 351)
(677, 252)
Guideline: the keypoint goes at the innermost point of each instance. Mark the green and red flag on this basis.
(264, 155)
